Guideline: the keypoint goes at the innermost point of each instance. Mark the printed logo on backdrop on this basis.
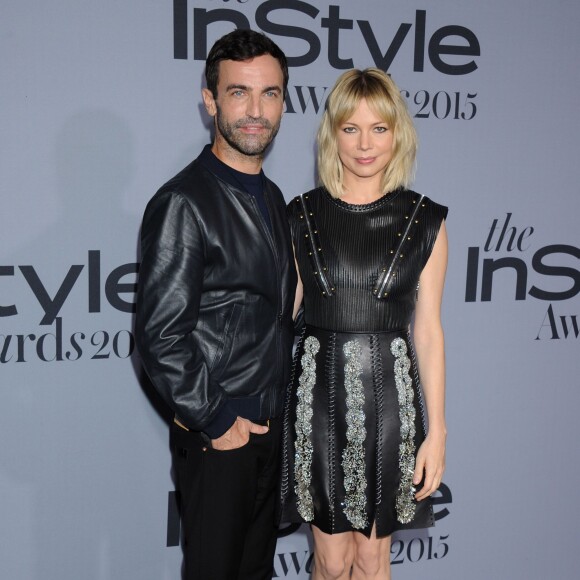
(55, 339)
(549, 273)
(327, 36)
(407, 548)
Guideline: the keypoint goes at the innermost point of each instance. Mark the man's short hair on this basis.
(241, 45)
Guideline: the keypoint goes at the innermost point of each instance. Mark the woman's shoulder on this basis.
(315, 193)
(427, 206)
(296, 205)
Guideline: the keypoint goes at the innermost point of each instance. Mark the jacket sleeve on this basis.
(168, 302)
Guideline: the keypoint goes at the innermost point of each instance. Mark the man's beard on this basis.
(251, 145)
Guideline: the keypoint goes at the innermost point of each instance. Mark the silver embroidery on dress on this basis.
(405, 503)
(303, 452)
(353, 459)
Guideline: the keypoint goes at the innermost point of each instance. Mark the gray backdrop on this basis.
(100, 105)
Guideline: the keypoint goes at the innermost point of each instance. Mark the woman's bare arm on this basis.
(430, 348)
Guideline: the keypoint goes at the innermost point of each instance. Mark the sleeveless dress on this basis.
(354, 417)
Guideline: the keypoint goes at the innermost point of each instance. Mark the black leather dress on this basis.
(354, 416)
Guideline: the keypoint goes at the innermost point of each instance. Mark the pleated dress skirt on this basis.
(353, 423)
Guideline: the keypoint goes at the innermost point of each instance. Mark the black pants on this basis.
(227, 503)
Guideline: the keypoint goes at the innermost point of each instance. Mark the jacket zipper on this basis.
(270, 238)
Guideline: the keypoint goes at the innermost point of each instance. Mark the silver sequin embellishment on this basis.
(353, 460)
(405, 503)
(303, 453)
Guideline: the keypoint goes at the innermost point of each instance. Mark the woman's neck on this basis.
(361, 196)
(361, 191)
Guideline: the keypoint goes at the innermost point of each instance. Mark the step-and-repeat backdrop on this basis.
(100, 105)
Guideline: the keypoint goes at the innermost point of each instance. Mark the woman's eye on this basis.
(381, 129)
(349, 129)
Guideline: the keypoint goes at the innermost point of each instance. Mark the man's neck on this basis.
(251, 164)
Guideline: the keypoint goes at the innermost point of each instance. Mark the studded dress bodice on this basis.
(360, 264)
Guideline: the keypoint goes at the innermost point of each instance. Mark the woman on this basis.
(371, 253)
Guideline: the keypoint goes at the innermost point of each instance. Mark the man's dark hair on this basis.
(241, 45)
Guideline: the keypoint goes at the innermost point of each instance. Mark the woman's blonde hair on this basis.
(384, 98)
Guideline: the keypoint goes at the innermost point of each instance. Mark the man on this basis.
(214, 319)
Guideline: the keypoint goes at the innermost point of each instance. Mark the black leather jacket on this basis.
(214, 306)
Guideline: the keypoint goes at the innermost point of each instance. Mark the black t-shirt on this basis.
(253, 183)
